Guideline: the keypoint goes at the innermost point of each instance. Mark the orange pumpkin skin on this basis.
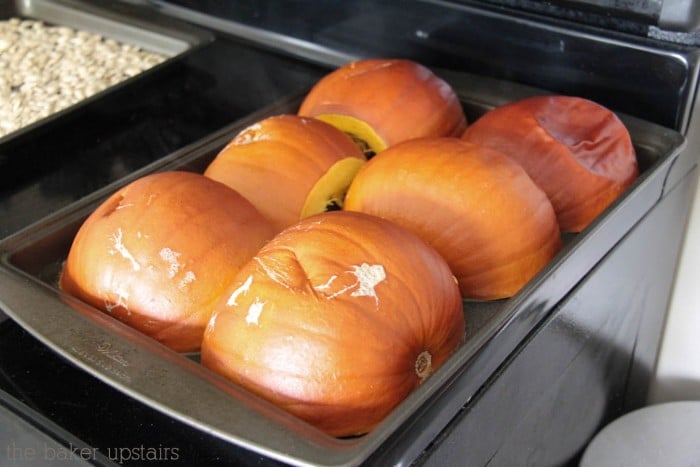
(276, 162)
(337, 320)
(475, 206)
(400, 99)
(576, 150)
(159, 252)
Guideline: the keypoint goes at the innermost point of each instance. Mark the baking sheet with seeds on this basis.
(46, 68)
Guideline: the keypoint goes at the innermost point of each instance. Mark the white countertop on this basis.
(677, 376)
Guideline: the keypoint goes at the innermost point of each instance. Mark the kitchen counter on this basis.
(677, 375)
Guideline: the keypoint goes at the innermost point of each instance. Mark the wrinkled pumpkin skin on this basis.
(475, 206)
(576, 150)
(278, 162)
(386, 101)
(337, 320)
(159, 252)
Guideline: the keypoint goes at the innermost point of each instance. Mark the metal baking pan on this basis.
(177, 385)
(167, 38)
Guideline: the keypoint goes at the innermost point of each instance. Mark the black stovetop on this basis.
(79, 412)
(42, 170)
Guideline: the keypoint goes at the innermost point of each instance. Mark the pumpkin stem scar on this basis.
(424, 365)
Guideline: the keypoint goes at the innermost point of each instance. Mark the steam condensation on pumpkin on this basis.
(122, 301)
(188, 279)
(251, 134)
(254, 311)
(327, 285)
(368, 277)
(120, 248)
(171, 258)
(243, 289)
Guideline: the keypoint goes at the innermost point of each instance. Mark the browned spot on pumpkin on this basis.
(112, 206)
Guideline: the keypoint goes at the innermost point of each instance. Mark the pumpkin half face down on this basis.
(381, 102)
(336, 320)
(579, 152)
(160, 251)
(478, 208)
(289, 167)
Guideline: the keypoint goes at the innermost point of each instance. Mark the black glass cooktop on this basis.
(575, 53)
(209, 88)
(97, 423)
